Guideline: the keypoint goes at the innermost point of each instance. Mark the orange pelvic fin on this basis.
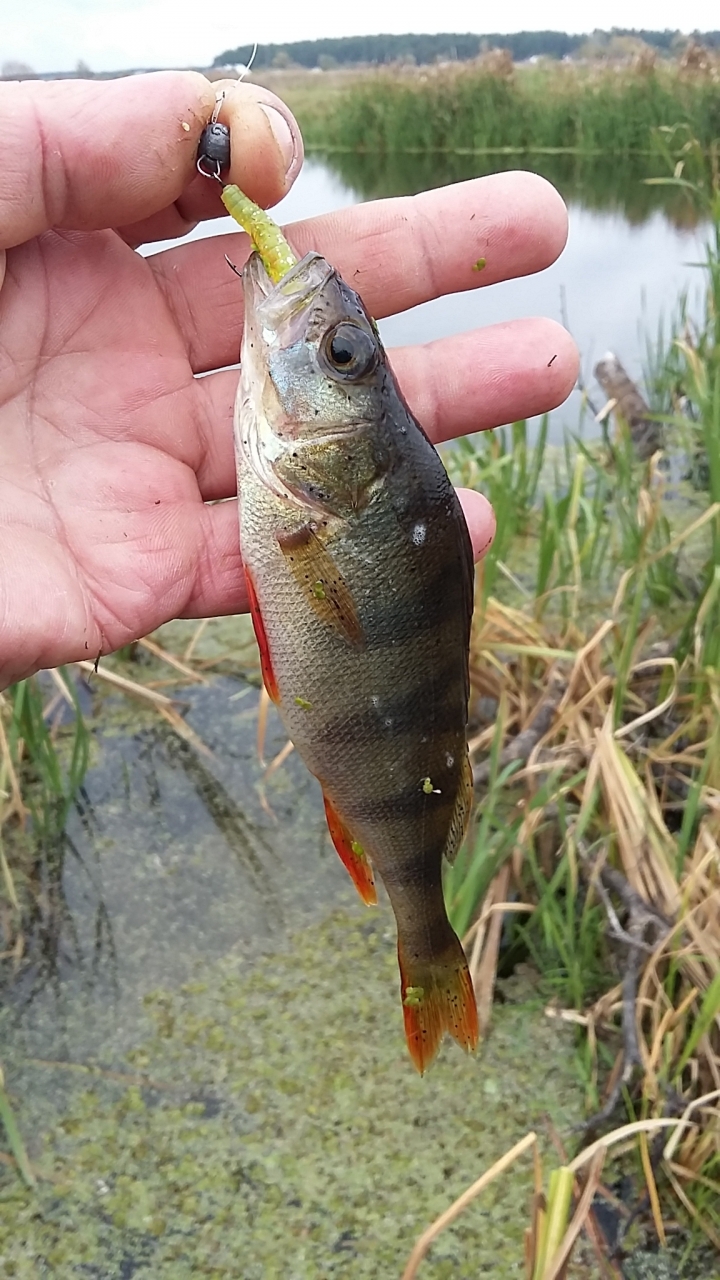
(352, 855)
(268, 674)
(437, 996)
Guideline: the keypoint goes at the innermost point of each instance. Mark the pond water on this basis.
(633, 250)
(203, 1043)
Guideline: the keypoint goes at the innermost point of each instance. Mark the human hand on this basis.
(110, 447)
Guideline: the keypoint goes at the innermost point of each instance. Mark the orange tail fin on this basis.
(437, 996)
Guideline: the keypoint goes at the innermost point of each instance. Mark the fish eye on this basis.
(349, 351)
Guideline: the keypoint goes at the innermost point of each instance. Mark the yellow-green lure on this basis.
(268, 239)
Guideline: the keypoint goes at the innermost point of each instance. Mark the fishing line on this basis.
(214, 146)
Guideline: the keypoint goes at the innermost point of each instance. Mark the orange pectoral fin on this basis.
(268, 674)
(326, 590)
(352, 855)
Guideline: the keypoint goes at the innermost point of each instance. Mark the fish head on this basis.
(310, 349)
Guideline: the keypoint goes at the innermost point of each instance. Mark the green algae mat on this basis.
(269, 1124)
(210, 1072)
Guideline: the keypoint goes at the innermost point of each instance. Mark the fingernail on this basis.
(282, 134)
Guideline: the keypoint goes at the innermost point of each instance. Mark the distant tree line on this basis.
(429, 48)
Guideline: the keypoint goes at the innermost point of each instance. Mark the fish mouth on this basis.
(269, 306)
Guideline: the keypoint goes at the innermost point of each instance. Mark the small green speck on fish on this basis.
(479, 265)
(318, 591)
(429, 789)
(413, 996)
(303, 704)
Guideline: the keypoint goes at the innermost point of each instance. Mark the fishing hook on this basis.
(214, 146)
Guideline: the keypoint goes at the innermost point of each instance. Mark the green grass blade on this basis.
(15, 1142)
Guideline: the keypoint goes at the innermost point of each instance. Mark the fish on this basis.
(360, 575)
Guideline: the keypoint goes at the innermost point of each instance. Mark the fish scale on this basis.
(360, 576)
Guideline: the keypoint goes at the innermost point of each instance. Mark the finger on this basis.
(219, 583)
(489, 377)
(266, 157)
(454, 386)
(84, 154)
(396, 253)
(480, 519)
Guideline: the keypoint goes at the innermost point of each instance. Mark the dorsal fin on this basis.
(461, 813)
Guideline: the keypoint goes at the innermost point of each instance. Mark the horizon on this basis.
(121, 35)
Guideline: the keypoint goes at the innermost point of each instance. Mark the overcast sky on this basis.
(115, 34)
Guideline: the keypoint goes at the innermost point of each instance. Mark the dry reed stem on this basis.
(171, 660)
(127, 686)
(262, 718)
(62, 689)
(183, 730)
(622, 1134)
(595, 1235)
(693, 1105)
(685, 1200)
(276, 763)
(538, 1201)
(456, 1208)
(163, 705)
(195, 638)
(484, 974)
(477, 928)
(652, 1189)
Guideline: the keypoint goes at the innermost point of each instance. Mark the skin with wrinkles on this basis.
(110, 447)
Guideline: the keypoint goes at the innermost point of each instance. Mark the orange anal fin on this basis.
(268, 674)
(437, 997)
(461, 814)
(325, 589)
(352, 855)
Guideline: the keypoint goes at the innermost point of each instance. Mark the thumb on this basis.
(83, 155)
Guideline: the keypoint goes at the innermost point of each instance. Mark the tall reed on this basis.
(595, 669)
(472, 107)
(42, 767)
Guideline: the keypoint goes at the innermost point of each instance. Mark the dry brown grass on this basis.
(629, 778)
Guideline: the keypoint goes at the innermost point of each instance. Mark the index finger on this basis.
(83, 155)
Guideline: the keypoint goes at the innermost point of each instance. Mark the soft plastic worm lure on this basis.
(213, 157)
(277, 256)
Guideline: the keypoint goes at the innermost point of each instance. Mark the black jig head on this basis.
(214, 150)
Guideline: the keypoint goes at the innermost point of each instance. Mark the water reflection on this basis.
(56, 939)
(169, 857)
(632, 253)
(607, 184)
(631, 256)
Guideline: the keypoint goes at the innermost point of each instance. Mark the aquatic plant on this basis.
(596, 696)
(483, 107)
(43, 761)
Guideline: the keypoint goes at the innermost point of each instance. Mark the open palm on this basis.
(113, 451)
(107, 451)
